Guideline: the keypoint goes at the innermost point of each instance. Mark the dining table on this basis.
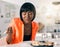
(3, 43)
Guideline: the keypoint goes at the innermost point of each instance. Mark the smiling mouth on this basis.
(27, 20)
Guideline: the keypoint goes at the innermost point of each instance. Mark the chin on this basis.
(27, 22)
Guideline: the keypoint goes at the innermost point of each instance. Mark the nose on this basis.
(27, 15)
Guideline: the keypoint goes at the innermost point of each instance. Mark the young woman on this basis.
(23, 28)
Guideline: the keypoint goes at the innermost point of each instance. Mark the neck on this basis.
(28, 23)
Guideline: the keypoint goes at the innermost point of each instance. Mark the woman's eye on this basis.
(30, 13)
(24, 14)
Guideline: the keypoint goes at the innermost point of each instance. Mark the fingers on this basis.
(9, 30)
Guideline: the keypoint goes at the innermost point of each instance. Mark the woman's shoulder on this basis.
(17, 20)
(35, 24)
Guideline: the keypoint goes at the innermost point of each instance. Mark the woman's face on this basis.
(27, 16)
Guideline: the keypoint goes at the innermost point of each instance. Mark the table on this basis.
(22, 44)
(26, 43)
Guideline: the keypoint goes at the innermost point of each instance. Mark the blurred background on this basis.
(47, 12)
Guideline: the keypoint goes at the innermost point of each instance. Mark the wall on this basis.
(46, 12)
(45, 9)
(7, 12)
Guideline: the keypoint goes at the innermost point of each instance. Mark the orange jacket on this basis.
(18, 30)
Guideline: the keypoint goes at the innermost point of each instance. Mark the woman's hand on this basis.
(9, 39)
(9, 30)
(41, 26)
(9, 35)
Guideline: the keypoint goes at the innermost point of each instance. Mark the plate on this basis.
(42, 44)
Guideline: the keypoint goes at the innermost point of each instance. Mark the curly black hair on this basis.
(27, 7)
